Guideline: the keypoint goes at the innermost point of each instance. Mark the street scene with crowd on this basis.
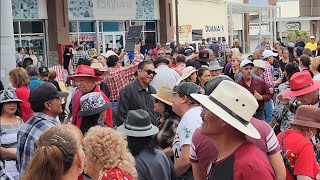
(173, 112)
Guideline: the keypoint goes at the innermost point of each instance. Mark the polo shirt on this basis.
(247, 162)
(261, 87)
(165, 77)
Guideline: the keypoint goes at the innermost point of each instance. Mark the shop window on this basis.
(150, 39)
(110, 26)
(16, 27)
(196, 35)
(150, 26)
(73, 26)
(87, 26)
(31, 27)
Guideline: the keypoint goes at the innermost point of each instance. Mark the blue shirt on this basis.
(34, 81)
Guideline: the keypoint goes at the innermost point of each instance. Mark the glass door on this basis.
(111, 40)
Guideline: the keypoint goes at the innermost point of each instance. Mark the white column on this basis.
(7, 52)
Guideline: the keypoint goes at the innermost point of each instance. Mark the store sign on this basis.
(254, 29)
(113, 9)
(214, 31)
(293, 26)
(185, 33)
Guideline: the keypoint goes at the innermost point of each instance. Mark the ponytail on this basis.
(47, 163)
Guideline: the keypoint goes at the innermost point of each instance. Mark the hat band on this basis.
(302, 87)
(85, 73)
(229, 111)
(136, 128)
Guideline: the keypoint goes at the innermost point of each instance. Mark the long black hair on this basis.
(138, 144)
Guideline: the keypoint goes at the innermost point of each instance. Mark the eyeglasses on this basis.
(149, 72)
(161, 54)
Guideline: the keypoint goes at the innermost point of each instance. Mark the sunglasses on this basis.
(149, 72)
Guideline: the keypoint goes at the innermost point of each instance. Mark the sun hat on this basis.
(259, 64)
(85, 71)
(301, 83)
(236, 109)
(8, 95)
(138, 124)
(108, 53)
(98, 66)
(246, 62)
(185, 88)
(163, 96)
(186, 72)
(214, 65)
(45, 92)
(204, 56)
(268, 53)
(92, 103)
(308, 116)
(212, 84)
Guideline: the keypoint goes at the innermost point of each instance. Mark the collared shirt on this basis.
(261, 87)
(117, 78)
(34, 81)
(133, 96)
(165, 77)
(267, 75)
(29, 134)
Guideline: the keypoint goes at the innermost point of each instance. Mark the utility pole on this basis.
(7, 52)
(177, 22)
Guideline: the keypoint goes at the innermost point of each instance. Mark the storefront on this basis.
(29, 25)
(104, 24)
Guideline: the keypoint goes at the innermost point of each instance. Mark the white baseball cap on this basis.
(167, 44)
(312, 37)
(245, 62)
(268, 53)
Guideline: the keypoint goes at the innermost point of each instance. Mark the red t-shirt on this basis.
(23, 94)
(247, 162)
(299, 152)
(115, 174)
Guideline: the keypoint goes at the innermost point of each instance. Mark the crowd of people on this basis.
(173, 113)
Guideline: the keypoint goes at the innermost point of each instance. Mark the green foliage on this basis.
(292, 36)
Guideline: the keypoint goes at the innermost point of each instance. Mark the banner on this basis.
(25, 9)
(185, 33)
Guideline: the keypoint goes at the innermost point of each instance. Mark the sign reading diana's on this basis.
(214, 31)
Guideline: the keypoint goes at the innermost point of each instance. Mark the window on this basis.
(196, 35)
(111, 26)
(16, 27)
(73, 27)
(150, 26)
(87, 26)
(31, 27)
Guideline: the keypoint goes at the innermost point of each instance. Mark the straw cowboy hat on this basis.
(307, 116)
(108, 53)
(8, 95)
(235, 109)
(98, 66)
(138, 124)
(301, 83)
(259, 64)
(163, 96)
(92, 103)
(85, 71)
(186, 72)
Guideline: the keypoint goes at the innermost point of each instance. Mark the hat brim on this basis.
(96, 78)
(214, 68)
(62, 94)
(247, 65)
(204, 60)
(248, 129)
(162, 100)
(185, 77)
(100, 69)
(154, 130)
(10, 100)
(290, 93)
(94, 111)
(300, 122)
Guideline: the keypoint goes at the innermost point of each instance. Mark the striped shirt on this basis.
(29, 134)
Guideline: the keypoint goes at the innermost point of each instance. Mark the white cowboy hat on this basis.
(109, 53)
(232, 103)
(186, 72)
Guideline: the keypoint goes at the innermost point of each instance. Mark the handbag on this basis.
(286, 161)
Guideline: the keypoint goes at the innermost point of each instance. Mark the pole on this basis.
(274, 14)
(280, 24)
(177, 23)
(231, 24)
(7, 55)
(259, 26)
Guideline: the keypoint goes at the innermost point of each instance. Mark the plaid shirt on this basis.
(267, 75)
(116, 78)
(77, 56)
(28, 136)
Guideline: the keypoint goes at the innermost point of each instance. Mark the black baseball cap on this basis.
(43, 71)
(204, 56)
(45, 92)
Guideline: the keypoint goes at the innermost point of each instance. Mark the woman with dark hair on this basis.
(151, 163)
(167, 121)
(59, 155)
(203, 76)
(67, 56)
(9, 127)
(32, 56)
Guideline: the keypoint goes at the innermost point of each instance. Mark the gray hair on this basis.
(32, 70)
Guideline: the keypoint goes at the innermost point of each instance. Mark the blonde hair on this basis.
(315, 63)
(57, 148)
(237, 58)
(92, 52)
(52, 74)
(108, 149)
(19, 77)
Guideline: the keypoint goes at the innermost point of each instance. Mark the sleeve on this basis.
(306, 160)
(267, 77)
(108, 118)
(272, 141)
(123, 105)
(186, 133)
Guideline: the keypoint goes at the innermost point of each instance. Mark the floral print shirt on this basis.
(115, 174)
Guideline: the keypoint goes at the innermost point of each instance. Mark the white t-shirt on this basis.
(190, 121)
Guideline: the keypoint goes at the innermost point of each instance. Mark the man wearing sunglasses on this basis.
(137, 94)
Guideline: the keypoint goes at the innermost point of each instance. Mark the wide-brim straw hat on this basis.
(163, 96)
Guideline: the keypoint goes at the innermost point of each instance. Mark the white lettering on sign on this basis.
(293, 26)
(214, 28)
